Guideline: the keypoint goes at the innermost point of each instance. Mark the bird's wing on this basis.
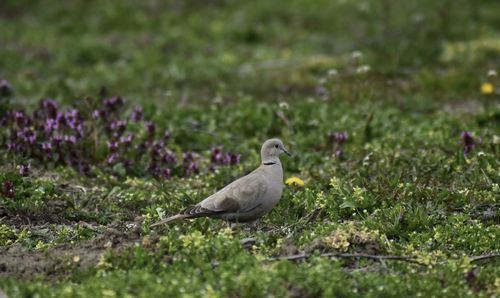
(240, 196)
(226, 205)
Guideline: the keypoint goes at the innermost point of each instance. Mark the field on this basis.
(114, 115)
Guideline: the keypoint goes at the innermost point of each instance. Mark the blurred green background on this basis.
(195, 51)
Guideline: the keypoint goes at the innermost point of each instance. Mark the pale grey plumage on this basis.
(248, 198)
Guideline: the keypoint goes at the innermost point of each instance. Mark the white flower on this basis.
(356, 55)
(284, 105)
(333, 72)
(363, 69)
(492, 73)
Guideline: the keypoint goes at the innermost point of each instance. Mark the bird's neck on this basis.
(271, 161)
(273, 169)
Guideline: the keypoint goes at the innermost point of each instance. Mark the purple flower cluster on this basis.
(189, 163)
(163, 161)
(219, 157)
(103, 135)
(468, 141)
(337, 140)
(48, 134)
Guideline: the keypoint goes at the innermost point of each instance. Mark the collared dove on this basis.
(247, 198)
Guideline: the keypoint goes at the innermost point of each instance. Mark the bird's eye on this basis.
(276, 146)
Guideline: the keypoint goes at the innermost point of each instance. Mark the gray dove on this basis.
(247, 198)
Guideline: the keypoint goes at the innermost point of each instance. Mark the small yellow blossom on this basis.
(339, 240)
(487, 88)
(321, 200)
(194, 239)
(335, 183)
(108, 293)
(294, 180)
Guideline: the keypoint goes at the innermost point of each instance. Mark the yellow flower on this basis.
(295, 181)
(335, 183)
(487, 88)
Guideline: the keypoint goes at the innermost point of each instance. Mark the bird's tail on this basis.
(171, 218)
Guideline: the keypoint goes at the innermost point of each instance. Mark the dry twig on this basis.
(380, 258)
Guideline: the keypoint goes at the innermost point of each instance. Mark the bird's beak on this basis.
(286, 152)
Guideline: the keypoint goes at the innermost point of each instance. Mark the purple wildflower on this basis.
(47, 147)
(112, 159)
(50, 106)
(57, 139)
(27, 135)
(21, 118)
(113, 103)
(468, 141)
(339, 153)
(112, 146)
(79, 129)
(216, 155)
(137, 114)
(150, 128)
(96, 114)
(127, 140)
(84, 168)
(5, 88)
(191, 168)
(169, 158)
(188, 156)
(153, 168)
(71, 118)
(167, 173)
(71, 139)
(8, 189)
(118, 127)
(235, 158)
(24, 170)
(143, 146)
(31, 137)
(156, 149)
(338, 137)
(51, 125)
(11, 146)
(61, 120)
(232, 159)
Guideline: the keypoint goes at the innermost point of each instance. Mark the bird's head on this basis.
(272, 149)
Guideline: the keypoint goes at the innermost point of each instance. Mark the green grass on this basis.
(234, 74)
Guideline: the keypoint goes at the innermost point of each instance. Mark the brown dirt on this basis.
(59, 261)
(51, 213)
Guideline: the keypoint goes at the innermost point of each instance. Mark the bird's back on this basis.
(254, 194)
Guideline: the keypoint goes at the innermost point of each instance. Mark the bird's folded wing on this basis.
(226, 205)
(244, 194)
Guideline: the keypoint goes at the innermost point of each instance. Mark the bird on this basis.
(247, 198)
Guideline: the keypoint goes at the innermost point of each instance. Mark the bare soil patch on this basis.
(54, 264)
